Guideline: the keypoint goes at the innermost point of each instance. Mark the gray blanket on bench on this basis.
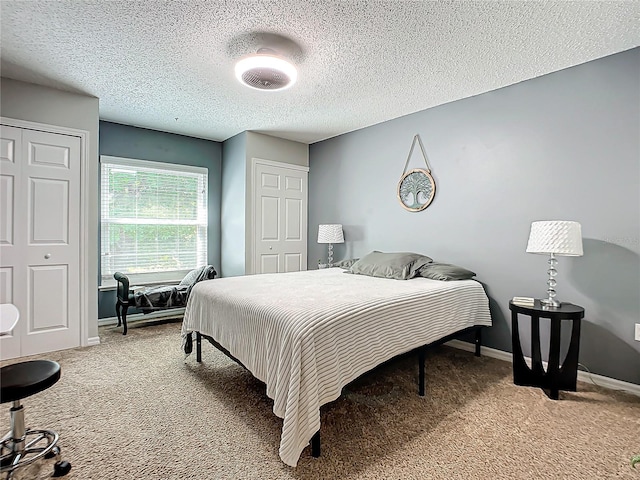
(163, 297)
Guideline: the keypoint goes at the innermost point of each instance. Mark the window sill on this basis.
(112, 286)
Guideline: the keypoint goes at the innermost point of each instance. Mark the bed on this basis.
(308, 334)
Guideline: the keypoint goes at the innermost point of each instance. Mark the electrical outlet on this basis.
(638, 332)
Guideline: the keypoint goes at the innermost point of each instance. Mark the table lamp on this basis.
(330, 234)
(554, 237)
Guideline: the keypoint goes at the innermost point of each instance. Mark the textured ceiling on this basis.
(359, 62)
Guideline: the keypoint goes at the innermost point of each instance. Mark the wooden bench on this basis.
(155, 298)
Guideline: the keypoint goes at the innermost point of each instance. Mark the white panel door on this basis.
(42, 271)
(12, 237)
(51, 179)
(280, 218)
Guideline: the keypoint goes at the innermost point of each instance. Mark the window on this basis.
(153, 219)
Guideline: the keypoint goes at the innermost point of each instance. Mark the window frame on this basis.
(150, 278)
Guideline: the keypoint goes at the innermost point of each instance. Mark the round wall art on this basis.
(416, 188)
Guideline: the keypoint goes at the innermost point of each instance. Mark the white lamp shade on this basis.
(330, 233)
(556, 236)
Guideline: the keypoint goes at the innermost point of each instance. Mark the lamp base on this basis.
(550, 303)
(330, 255)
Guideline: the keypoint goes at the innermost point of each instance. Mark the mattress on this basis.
(308, 334)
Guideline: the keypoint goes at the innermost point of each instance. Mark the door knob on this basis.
(47, 256)
(270, 248)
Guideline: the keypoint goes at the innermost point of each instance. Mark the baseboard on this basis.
(172, 312)
(93, 341)
(487, 351)
(583, 376)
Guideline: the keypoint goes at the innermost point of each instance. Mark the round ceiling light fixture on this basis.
(266, 71)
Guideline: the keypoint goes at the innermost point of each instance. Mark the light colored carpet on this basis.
(134, 408)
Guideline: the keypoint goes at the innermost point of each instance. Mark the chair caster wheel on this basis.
(61, 468)
(54, 452)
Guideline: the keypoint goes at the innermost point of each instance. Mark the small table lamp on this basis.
(330, 234)
(555, 237)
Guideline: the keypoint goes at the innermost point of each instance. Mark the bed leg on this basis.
(421, 360)
(198, 347)
(478, 341)
(315, 445)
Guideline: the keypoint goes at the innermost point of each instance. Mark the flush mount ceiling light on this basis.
(266, 71)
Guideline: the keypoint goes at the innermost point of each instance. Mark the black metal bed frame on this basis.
(315, 440)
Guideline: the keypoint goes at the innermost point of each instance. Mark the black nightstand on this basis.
(557, 377)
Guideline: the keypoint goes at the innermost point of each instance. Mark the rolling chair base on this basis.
(34, 445)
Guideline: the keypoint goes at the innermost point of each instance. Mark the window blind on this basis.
(153, 219)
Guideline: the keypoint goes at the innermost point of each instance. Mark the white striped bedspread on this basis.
(308, 334)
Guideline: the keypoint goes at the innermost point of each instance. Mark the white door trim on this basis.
(84, 211)
(250, 239)
(255, 161)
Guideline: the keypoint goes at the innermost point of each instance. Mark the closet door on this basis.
(12, 237)
(51, 180)
(280, 217)
(41, 228)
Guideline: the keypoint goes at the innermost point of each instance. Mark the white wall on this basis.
(34, 103)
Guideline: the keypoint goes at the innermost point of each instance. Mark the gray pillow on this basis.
(191, 277)
(397, 265)
(346, 263)
(445, 271)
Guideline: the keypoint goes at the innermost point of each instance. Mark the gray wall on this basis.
(34, 103)
(266, 147)
(564, 146)
(276, 149)
(233, 204)
(132, 142)
(237, 153)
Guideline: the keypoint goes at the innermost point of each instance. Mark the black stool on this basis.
(21, 446)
